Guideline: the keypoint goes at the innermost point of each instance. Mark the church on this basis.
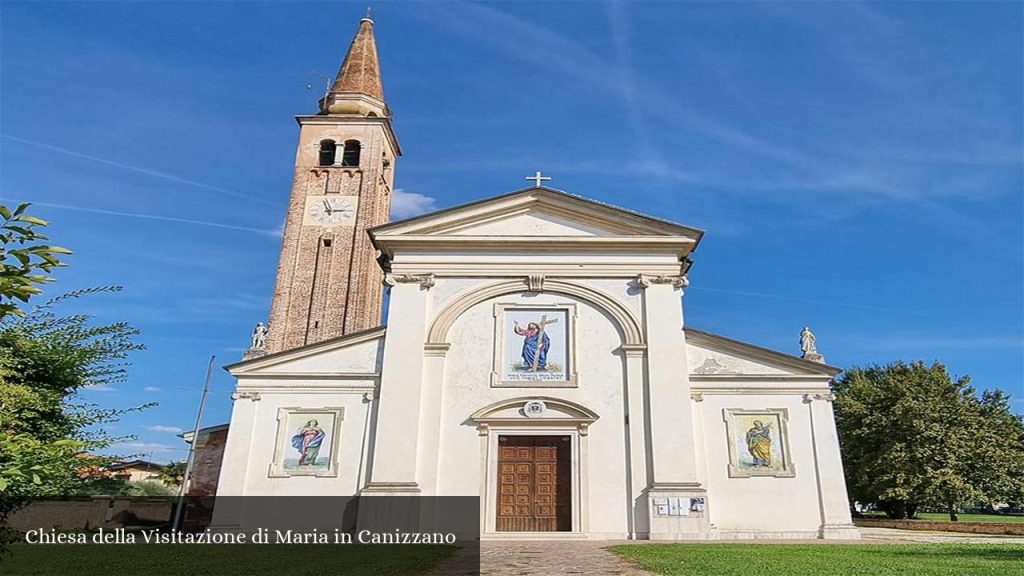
(535, 355)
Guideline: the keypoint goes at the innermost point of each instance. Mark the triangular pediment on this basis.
(713, 356)
(536, 212)
(534, 222)
(354, 354)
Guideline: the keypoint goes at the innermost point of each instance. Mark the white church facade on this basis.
(535, 354)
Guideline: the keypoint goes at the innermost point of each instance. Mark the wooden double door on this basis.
(534, 484)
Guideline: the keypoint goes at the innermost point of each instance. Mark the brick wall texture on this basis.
(327, 291)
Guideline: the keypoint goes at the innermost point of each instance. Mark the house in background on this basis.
(209, 450)
(135, 470)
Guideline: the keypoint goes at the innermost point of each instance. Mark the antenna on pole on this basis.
(325, 78)
(176, 524)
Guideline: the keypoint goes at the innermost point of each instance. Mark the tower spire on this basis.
(328, 281)
(359, 74)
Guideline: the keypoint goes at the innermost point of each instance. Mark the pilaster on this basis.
(397, 441)
(671, 415)
(238, 446)
(675, 480)
(836, 523)
(639, 456)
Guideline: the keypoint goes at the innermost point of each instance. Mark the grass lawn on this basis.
(222, 560)
(963, 517)
(827, 559)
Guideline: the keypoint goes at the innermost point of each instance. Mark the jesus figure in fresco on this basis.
(535, 346)
(307, 442)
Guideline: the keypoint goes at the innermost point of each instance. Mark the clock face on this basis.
(328, 211)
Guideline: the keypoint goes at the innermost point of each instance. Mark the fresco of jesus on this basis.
(535, 346)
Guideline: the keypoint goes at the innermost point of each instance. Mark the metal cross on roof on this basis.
(538, 178)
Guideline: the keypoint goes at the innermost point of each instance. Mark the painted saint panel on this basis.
(534, 346)
(758, 443)
(307, 442)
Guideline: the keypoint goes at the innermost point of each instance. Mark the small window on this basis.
(350, 157)
(327, 150)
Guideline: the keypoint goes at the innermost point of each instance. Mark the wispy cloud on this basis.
(151, 389)
(803, 300)
(924, 342)
(278, 232)
(147, 447)
(140, 170)
(931, 148)
(540, 46)
(100, 388)
(143, 216)
(619, 23)
(405, 204)
(238, 301)
(167, 429)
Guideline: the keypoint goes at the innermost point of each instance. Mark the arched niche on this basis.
(626, 321)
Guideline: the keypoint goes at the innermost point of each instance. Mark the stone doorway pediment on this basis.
(534, 411)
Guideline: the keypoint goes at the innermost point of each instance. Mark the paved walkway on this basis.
(553, 559)
(560, 558)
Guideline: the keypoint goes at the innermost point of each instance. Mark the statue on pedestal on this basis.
(258, 342)
(809, 346)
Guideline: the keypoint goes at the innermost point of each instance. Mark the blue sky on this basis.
(857, 167)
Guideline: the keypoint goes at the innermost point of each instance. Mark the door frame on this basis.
(489, 477)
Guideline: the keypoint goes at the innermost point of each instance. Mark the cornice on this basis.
(500, 269)
(634, 244)
(310, 376)
(696, 391)
(694, 336)
(727, 378)
(310, 387)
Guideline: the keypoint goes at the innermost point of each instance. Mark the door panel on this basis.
(534, 484)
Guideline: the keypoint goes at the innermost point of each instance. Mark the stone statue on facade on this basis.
(809, 346)
(258, 342)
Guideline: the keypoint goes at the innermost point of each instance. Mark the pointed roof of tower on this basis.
(360, 72)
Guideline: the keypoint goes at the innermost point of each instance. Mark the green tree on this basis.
(49, 438)
(149, 488)
(911, 435)
(172, 474)
(25, 258)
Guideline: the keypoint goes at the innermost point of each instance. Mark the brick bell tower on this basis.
(328, 281)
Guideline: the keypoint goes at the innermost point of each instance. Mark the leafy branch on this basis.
(26, 260)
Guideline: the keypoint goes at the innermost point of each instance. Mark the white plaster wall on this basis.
(760, 503)
(532, 224)
(727, 363)
(448, 289)
(622, 289)
(252, 450)
(359, 358)
(525, 260)
(601, 375)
